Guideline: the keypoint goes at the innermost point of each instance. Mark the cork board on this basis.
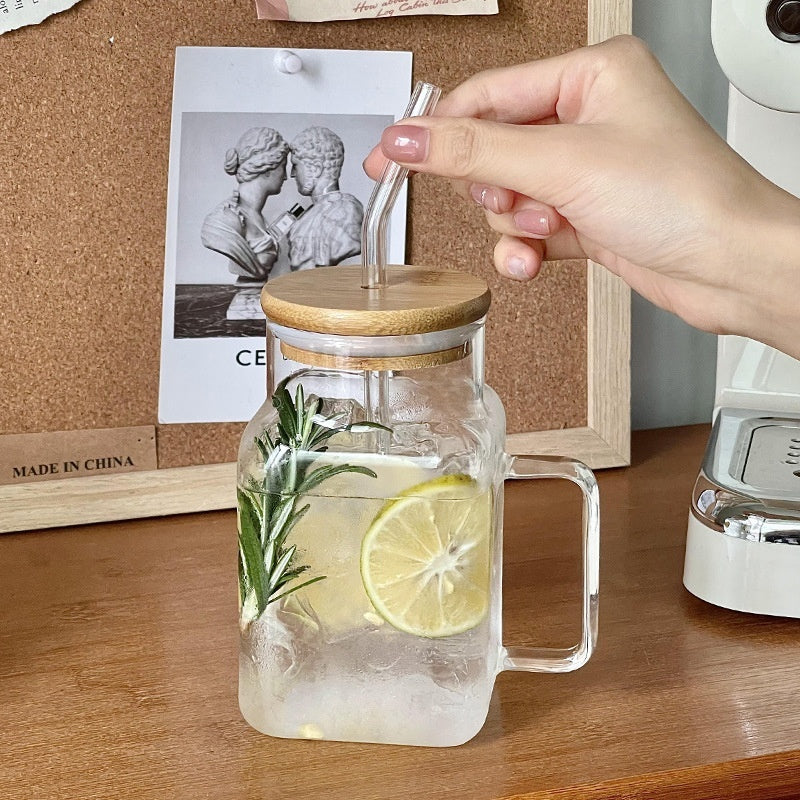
(86, 108)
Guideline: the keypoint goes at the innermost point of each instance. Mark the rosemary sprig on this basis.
(269, 510)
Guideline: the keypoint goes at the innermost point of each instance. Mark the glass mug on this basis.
(370, 499)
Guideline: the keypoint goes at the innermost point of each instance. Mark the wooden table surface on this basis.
(118, 667)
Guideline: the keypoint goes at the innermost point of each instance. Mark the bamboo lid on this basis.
(415, 300)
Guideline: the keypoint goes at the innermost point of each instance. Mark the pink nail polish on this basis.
(486, 197)
(407, 144)
(532, 222)
(517, 268)
(478, 193)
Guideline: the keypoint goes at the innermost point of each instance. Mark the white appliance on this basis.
(743, 541)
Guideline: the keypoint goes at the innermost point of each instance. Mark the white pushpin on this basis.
(288, 62)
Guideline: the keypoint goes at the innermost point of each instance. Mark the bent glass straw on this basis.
(374, 249)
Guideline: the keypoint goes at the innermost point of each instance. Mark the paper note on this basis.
(28, 457)
(317, 11)
(18, 13)
(238, 122)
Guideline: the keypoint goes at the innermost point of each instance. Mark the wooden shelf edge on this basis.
(583, 444)
(183, 490)
(106, 498)
(608, 357)
(609, 304)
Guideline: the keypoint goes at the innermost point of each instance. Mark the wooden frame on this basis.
(606, 439)
(604, 442)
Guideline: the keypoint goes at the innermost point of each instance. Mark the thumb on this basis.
(538, 161)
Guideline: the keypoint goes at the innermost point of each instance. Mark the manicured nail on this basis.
(532, 222)
(406, 143)
(516, 267)
(486, 197)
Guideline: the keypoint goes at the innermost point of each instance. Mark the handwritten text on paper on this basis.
(315, 11)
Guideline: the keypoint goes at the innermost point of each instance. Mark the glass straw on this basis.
(374, 249)
(374, 254)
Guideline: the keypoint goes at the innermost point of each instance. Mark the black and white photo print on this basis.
(265, 179)
(263, 194)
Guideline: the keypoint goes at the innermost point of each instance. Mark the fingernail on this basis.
(532, 222)
(486, 197)
(517, 268)
(406, 143)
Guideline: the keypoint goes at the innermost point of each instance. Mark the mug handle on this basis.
(547, 659)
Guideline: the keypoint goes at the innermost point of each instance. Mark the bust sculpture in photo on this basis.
(236, 227)
(330, 230)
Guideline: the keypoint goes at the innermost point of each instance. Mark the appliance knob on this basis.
(783, 19)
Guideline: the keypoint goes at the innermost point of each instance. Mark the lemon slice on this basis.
(425, 560)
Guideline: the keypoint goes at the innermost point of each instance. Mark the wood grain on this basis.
(118, 667)
(608, 315)
(414, 300)
(608, 18)
(609, 355)
(380, 364)
(584, 444)
(113, 497)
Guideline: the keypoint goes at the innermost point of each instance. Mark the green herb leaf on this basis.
(283, 512)
(301, 586)
(299, 409)
(282, 401)
(251, 554)
(315, 478)
(290, 523)
(280, 568)
(263, 448)
(268, 512)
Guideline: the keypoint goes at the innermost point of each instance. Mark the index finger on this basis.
(531, 92)
(523, 93)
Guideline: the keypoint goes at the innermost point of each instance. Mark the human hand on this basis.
(595, 154)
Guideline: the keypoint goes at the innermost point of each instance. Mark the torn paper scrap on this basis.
(18, 13)
(326, 10)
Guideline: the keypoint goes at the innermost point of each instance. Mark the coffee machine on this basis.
(743, 541)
